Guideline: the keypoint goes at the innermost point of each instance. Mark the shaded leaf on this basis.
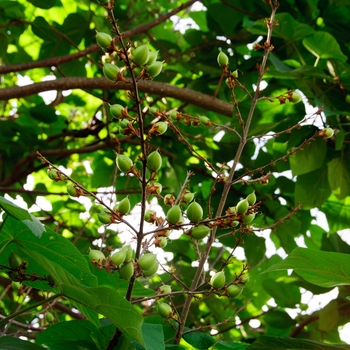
(339, 177)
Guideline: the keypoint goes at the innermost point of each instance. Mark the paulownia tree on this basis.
(173, 161)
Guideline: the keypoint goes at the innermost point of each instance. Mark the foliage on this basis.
(156, 137)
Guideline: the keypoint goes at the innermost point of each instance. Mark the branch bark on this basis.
(152, 87)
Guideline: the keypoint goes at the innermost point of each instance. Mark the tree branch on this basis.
(152, 87)
(56, 61)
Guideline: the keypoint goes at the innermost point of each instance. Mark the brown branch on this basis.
(152, 87)
(56, 61)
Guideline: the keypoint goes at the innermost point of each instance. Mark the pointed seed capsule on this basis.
(155, 68)
(110, 71)
(14, 261)
(124, 163)
(242, 206)
(222, 59)
(116, 110)
(251, 198)
(103, 39)
(194, 212)
(199, 232)
(234, 291)
(151, 271)
(119, 257)
(147, 261)
(218, 280)
(247, 218)
(164, 310)
(126, 271)
(96, 255)
(174, 214)
(153, 55)
(140, 55)
(124, 206)
(154, 161)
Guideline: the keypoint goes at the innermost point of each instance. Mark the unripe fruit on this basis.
(242, 206)
(14, 261)
(199, 232)
(147, 261)
(169, 199)
(160, 127)
(119, 257)
(148, 214)
(234, 223)
(204, 120)
(188, 197)
(151, 271)
(154, 161)
(124, 163)
(218, 280)
(116, 110)
(234, 291)
(222, 59)
(247, 218)
(232, 210)
(152, 57)
(124, 206)
(194, 212)
(49, 317)
(174, 214)
(155, 68)
(154, 187)
(140, 55)
(251, 198)
(328, 132)
(72, 191)
(110, 71)
(235, 73)
(165, 289)
(104, 217)
(296, 97)
(53, 174)
(128, 252)
(164, 310)
(347, 99)
(163, 241)
(17, 285)
(96, 255)
(103, 39)
(126, 271)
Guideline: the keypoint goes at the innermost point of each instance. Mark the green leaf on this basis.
(153, 336)
(227, 345)
(310, 158)
(312, 189)
(43, 4)
(329, 316)
(324, 45)
(43, 113)
(32, 223)
(11, 343)
(325, 269)
(199, 340)
(274, 343)
(337, 212)
(339, 177)
(285, 294)
(279, 319)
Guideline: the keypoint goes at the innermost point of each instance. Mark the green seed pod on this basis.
(174, 214)
(234, 223)
(163, 241)
(72, 191)
(151, 271)
(124, 163)
(218, 280)
(14, 261)
(153, 55)
(116, 110)
(194, 212)
(15, 285)
(188, 197)
(160, 128)
(165, 289)
(110, 71)
(235, 73)
(49, 317)
(104, 217)
(164, 310)
(140, 55)
(222, 59)
(53, 174)
(155, 187)
(247, 218)
(126, 271)
(251, 198)
(242, 206)
(119, 257)
(296, 97)
(155, 68)
(328, 132)
(169, 199)
(96, 255)
(103, 39)
(154, 161)
(234, 291)
(128, 252)
(199, 232)
(124, 206)
(147, 261)
(148, 214)
(204, 120)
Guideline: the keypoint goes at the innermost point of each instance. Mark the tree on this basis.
(155, 184)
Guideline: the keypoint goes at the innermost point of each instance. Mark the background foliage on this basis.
(50, 47)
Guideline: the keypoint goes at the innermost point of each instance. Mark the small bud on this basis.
(222, 59)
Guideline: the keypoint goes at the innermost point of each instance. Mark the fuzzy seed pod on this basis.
(124, 163)
(194, 212)
(118, 258)
(155, 68)
(103, 39)
(222, 59)
(242, 206)
(251, 198)
(154, 161)
(140, 55)
(218, 280)
(126, 271)
(147, 261)
(174, 214)
(96, 255)
(124, 206)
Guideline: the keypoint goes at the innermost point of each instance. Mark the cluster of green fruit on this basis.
(218, 281)
(123, 261)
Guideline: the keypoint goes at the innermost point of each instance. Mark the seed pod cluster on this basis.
(148, 264)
